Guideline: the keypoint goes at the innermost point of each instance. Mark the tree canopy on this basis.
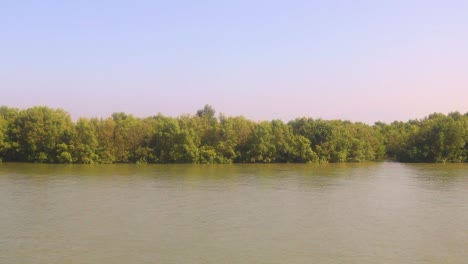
(42, 134)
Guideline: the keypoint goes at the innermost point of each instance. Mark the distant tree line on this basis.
(42, 134)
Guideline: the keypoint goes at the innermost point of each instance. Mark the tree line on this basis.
(43, 134)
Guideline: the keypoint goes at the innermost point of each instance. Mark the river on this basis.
(277, 213)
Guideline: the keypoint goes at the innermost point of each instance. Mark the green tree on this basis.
(85, 142)
(261, 147)
(171, 144)
(105, 137)
(437, 138)
(42, 135)
(290, 147)
(8, 146)
(3, 141)
(131, 139)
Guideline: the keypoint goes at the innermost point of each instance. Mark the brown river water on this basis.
(278, 213)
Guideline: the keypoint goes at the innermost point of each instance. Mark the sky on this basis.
(358, 60)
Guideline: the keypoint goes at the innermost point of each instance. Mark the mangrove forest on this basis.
(46, 135)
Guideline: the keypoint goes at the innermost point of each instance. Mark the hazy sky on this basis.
(358, 60)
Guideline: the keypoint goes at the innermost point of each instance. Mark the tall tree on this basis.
(43, 135)
(85, 142)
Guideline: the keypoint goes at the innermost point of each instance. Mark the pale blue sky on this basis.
(358, 60)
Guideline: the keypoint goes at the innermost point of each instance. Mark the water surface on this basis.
(332, 213)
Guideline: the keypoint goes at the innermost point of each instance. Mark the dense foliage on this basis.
(42, 134)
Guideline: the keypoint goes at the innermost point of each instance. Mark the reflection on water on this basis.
(276, 213)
